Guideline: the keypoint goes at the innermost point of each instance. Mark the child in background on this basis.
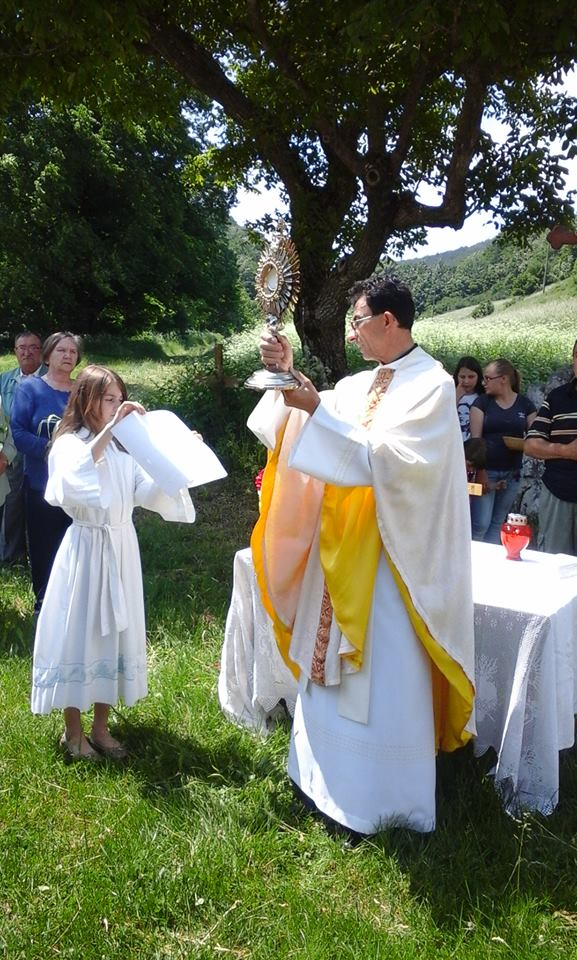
(91, 639)
(476, 460)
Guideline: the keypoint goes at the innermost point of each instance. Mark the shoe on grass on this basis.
(78, 751)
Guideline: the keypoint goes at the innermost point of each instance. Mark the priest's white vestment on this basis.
(90, 644)
(365, 734)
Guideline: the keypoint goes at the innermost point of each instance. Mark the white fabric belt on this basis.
(112, 599)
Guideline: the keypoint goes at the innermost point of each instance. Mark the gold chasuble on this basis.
(350, 547)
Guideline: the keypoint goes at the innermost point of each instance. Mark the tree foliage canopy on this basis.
(100, 232)
(353, 107)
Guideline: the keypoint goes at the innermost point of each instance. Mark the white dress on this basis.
(90, 642)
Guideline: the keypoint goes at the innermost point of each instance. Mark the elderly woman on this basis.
(501, 412)
(38, 405)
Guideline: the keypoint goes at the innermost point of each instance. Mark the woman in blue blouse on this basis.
(501, 412)
(38, 405)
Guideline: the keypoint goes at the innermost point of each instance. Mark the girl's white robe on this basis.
(90, 644)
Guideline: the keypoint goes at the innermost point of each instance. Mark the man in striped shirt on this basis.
(553, 438)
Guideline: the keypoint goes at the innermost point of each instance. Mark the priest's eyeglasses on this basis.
(357, 321)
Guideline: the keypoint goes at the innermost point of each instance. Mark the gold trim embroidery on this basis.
(322, 639)
(379, 387)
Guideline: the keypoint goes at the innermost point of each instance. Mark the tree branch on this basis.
(204, 73)
(341, 144)
(399, 153)
(452, 210)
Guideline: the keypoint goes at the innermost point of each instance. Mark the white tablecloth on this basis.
(525, 664)
(254, 679)
(526, 671)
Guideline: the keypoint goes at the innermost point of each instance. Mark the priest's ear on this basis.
(390, 319)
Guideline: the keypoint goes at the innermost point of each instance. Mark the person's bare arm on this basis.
(542, 449)
(105, 436)
(477, 418)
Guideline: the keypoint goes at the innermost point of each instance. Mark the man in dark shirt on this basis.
(553, 438)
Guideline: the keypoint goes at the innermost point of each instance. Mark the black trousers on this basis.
(46, 526)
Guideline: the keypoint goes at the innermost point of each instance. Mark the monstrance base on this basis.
(272, 380)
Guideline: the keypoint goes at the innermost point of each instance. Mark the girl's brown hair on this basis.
(83, 407)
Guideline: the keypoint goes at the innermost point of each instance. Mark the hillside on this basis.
(449, 257)
(494, 270)
(536, 332)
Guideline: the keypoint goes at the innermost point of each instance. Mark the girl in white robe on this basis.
(90, 645)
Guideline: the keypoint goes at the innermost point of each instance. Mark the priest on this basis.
(362, 556)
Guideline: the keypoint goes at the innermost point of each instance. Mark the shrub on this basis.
(483, 309)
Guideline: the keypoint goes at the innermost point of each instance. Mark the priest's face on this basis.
(367, 330)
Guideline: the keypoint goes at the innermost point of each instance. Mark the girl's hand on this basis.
(483, 479)
(196, 434)
(460, 391)
(126, 407)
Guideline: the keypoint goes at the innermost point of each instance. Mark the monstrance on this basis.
(277, 282)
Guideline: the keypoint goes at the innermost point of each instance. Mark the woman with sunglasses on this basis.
(501, 412)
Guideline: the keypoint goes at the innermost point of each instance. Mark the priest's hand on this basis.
(304, 397)
(276, 352)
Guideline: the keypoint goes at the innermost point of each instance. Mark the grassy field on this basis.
(536, 333)
(196, 848)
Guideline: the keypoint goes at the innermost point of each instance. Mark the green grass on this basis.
(197, 848)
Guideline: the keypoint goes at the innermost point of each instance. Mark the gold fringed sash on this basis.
(350, 543)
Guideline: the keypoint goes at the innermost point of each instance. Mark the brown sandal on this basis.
(114, 752)
(74, 751)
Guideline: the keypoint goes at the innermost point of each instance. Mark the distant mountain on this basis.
(449, 256)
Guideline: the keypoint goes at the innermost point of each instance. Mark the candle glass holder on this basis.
(515, 535)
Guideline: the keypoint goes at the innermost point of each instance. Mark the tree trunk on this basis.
(320, 327)
(321, 310)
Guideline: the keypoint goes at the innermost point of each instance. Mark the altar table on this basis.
(525, 667)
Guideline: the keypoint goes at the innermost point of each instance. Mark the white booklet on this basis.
(164, 446)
